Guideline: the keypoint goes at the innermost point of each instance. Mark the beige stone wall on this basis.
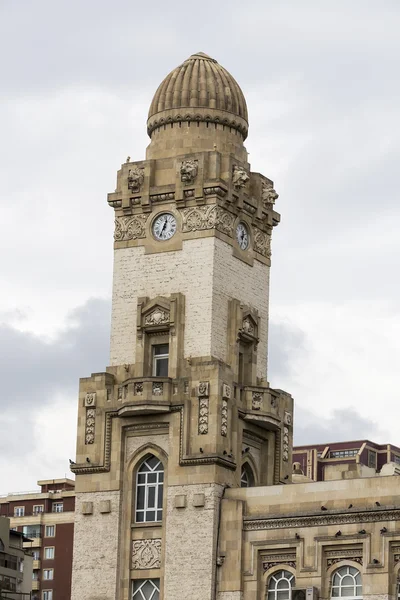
(191, 537)
(136, 274)
(96, 548)
(233, 278)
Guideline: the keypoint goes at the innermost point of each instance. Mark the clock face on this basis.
(164, 226)
(242, 236)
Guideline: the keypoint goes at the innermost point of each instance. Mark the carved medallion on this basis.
(157, 317)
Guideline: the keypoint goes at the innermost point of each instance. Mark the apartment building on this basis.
(15, 564)
(46, 518)
(345, 460)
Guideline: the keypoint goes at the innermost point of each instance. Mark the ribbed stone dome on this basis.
(199, 90)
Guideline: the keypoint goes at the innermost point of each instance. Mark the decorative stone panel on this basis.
(90, 399)
(261, 242)
(200, 218)
(146, 554)
(158, 388)
(279, 559)
(130, 228)
(224, 417)
(285, 444)
(90, 425)
(203, 415)
(226, 391)
(257, 400)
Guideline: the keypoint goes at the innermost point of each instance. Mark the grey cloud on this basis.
(343, 425)
(286, 341)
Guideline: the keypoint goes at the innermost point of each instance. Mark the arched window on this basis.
(149, 490)
(247, 476)
(280, 585)
(346, 582)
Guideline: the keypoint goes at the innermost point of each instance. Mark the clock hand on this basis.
(165, 224)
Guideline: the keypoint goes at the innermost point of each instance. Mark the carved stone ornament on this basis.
(157, 317)
(203, 388)
(224, 417)
(285, 444)
(226, 391)
(262, 243)
(146, 554)
(248, 326)
(90, 399)
(239, 178)
(333, 561)
(268, 195)
(256, 401)
(279, 559)
(203, 415)
(90, 425)
(188, 171)
(199, 218)
(135, 179)
(287, 418)
(158, 388)
(138, 389)
(130, 228)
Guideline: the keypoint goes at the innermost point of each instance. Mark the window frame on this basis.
(336, 572)
(50, 570)
(47, 597)
(58, 505)
(18, 508)
(45, 531)
(155, 358)
(249, 473)
(141, 481)
(272, 591)
(35, 510)
(49, 548)
(138, 594)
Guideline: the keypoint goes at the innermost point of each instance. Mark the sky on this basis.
(322, 88)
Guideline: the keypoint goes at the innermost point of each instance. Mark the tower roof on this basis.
(199, 89)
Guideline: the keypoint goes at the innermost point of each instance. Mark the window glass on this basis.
(280, 585)
(58, 507)
(149, 490)
(19, 511)
(346, 583)
(247, 477)
(49, 553)
(160, 360)
(48, 573)
(47, 595)
(50, 531)
(146, 589)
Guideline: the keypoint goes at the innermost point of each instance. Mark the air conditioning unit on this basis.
(310, 593)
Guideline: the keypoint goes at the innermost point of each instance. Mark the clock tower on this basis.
(185, 409)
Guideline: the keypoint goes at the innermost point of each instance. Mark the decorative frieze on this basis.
(135, 179)
(224, 417)
(215, 191)
(90, 425)
(188, 171)
(336, 556)
(200, 218)
(130, 228)
(162, 197)
(257, 400)
(285, 444)
(261, 242)
(279, 559)
(146, 554)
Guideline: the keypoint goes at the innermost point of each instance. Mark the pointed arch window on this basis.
(346, 582)
(247, 476)
(149, 490)
(146, 589)
(280, 585)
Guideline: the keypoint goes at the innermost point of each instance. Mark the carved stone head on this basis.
(239, 177)
(188, 171)
(268, 194)
(135, 179)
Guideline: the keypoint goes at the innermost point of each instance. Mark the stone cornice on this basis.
(340, 518)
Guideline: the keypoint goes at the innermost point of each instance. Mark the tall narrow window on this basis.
(146, 589)
(160, 360)
(280, 585)
(247, 476)
(149, 490)
(346, 582)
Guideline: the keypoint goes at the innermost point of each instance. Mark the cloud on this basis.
(38, 403)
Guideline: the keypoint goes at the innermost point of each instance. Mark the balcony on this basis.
(35, 542)
(36, 564)
(262, 407)
(35, 585)
(145, 395)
